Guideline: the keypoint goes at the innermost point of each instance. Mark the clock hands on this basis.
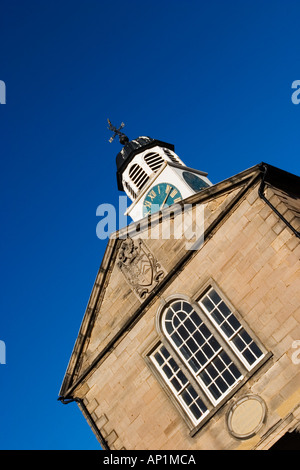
(168, 192)
(164, 192)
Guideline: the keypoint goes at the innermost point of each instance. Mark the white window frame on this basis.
(210, 403)
(214, 401)
(177, 393)
(228, 339)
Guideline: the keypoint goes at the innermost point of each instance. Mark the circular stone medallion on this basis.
(246, 416)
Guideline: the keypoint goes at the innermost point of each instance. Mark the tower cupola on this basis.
(152, 174)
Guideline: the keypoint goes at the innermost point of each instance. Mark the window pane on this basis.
(221, 384)
(183, 332)
(199, 338)
(246, 337)
(192, 345)
(255, 349)
(224, 309)
(176, 338)
(173, 364)
(167, 371)
(214, 344)
(214, 391)
(196, 319)
(250, 358)
(159, 358)
(176, 306)
(219, 364)
(205, 331)
(176, 384)
(205, 377)
(239, 343)
(195, 365)
(186, 307)
(181, 315)
(196, 410)
(190, 325)
(201, 358)
(181, 376)
(225, 358)
(169, 327)
(234, 322)
(228, 377)
(164, 352)
(193, 392)
(217, 317)
(236, 373)
(208, 304)
(187, 397)
(214, 296)
(212, 371)
(227, 329)
(184, 351)
(208, 351)
(169, 315)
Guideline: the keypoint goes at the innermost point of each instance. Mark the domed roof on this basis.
(132, 148)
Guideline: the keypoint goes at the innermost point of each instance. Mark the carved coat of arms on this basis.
(139, 267)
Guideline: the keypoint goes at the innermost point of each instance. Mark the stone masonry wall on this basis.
(254, 259)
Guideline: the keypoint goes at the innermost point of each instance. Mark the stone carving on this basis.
(140, 268)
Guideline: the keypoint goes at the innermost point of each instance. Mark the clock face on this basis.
(194, 182)
(160, 196)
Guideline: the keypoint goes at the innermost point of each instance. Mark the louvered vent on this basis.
(154, 161)
(138, 176)
(172, 157)
(130, 191)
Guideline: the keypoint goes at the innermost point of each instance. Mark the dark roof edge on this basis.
(288, 182)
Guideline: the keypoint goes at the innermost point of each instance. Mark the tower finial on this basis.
(122, 137)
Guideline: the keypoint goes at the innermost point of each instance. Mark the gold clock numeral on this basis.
(148, 204)
(177, 199)
(173, 193)
(152, 195)
(158, 189)
(168, 188)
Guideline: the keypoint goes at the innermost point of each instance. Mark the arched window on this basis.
(205, 352)
(200, 350)
(154, 161)
(138, 176)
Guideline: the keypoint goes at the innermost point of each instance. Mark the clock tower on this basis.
(153, 176)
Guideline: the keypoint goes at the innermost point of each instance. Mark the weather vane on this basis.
(122, 137)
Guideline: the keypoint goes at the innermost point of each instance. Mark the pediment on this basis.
(134, 269)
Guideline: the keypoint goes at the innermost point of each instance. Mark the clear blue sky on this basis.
(212, 77)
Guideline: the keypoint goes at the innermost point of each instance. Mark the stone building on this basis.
(191, 336)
